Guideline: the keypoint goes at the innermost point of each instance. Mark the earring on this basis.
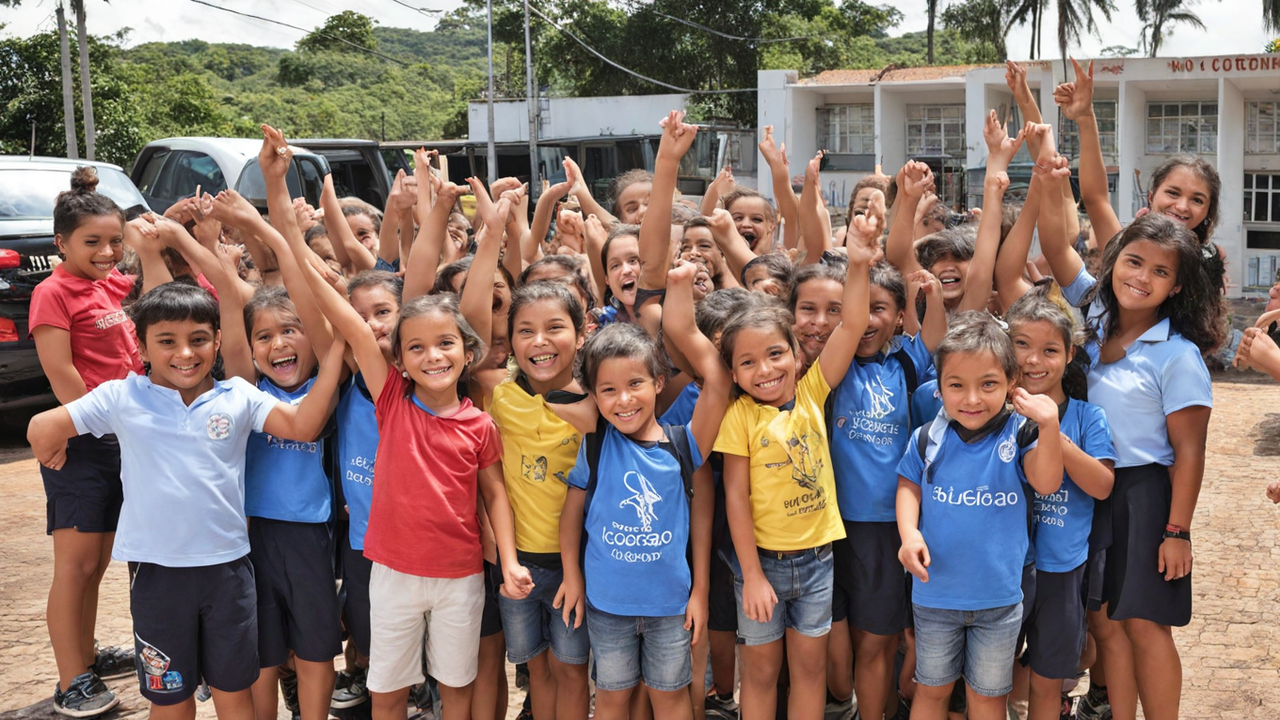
(404, 374)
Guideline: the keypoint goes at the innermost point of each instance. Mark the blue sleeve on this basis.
(1095, 434)
(258, 404)
(698, 458)
(919, 355)
(911, 466)
(1079, 287)
(1184, 381)
(579, 473)
(924, 404)
(380, 264)
(93, 413)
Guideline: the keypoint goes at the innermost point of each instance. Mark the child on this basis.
(771, 274)
(815, 303)
(630, 192)
(184, 534)
(779, 491)
(963, 517)
(84, 339)
(698, 244)
(753, 217)
(1043, 334)
(645, 604)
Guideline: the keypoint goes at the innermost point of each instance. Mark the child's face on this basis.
(973, 387)
(322, 247)
(759, 280)
(951, 272)
(698, 246)
(362, 227)
(1183, 196)
(377, 306)
(765, 366)
(1144, 276)
(433, 352)
(751, 218)
(281, 349)
(818, 304)
(457, 228)
(545, 343)
(862, 199)
(633, 202)
(623, 269)
(181, 354)
(627, 394)
(882, 323)
(501, 294)
(1042, 357)
(93, 248)
(703, 283)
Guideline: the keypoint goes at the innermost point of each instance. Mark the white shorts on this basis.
(403, 609)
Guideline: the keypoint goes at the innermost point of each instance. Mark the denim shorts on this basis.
(532, 625)
(803, 583)
(630, 649)
(977, 644)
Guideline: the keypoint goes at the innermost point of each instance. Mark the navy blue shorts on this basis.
(86, 493)
(1055, 624)
(869, 576)
(297, 596)
(355, 591)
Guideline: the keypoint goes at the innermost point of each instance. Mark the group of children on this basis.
(646, 443)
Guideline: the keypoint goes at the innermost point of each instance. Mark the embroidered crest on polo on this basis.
(218, 426)
(1008, 449)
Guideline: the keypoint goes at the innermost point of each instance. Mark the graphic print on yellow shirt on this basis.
(537, 446)
(793, 502)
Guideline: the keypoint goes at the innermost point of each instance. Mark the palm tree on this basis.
(86, 94)
(1271, 15)
(1075, 17)
(1022, 12)
(933, 14)
(1158, 16)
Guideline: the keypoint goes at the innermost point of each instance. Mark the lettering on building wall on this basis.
(1226, 64)
(1112, 69)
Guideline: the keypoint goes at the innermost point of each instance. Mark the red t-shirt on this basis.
(423, 519)
(104, 345)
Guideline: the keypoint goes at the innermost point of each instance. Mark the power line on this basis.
(425, 11)
(758, 41)
(628, 71)
(299, 29)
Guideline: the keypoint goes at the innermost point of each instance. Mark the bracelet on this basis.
(1178, 534)
(1174, 528)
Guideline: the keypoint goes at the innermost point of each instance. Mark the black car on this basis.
(28, 189)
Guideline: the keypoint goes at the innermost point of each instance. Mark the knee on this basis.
(933, 693)
(1145, 632)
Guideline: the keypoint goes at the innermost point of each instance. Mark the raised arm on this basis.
(476, 303)
(578, 189)
(934, 327)
(517, 231)
(346, 248)
(1015, 76)
(655, 229)
(680, 328)
(594, 235)
(304, 422)
(141, 235)
(855, 307)
(816, 240)
(531, 247)
(346, 322)
(275, 158)
(715, 190)
(737, 253)
(1064, 261)
(389, 233)
(1000, 150)
(424, 259)
(1076, 101)
(899, 248)
(784, 196)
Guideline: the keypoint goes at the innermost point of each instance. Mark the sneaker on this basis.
(904, 709)
(349, 691)
(87, 696)
(113, 662)
(838, 710)
(522, 676)
(1068, 711)
(203, 692)
(1094, 705)
(720, 707)
(289, 691)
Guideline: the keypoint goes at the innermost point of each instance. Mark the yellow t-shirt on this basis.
(793, 489)
(538, 450)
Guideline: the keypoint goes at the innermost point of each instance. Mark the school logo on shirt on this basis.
(534, 469)
(218, 426)
(1007, 450)
(111, 319)
(643, 496)
(881, 404)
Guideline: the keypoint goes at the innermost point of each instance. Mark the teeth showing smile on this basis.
(184, 368)
(542, 359)
(770, 383)
(441, 371)
(104, 266)
(1180, 218)
(1136, 291)
(283, 361)
(628, 415)
(1036, 375)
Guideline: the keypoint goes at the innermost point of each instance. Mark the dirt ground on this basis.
(1230, 651)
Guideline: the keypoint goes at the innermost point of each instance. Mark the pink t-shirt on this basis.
(104, 345)
(423, 519)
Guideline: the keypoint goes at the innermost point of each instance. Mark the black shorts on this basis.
(1055, 624)
(1133, 585)
(722, 605)
(491, 617)
(869, 574)
(193, 622)
(355, 593)
(297, 597)
(86, 493)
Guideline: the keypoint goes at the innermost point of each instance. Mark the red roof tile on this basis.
(863, 77)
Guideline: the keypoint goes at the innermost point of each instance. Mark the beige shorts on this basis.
(406, 609)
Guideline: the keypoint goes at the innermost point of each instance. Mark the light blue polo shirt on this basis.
(1160, 374)
(1079, 286)
(357, 452)
(182, 467)
(1064, 519)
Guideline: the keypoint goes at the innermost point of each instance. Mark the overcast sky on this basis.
(1234, 26)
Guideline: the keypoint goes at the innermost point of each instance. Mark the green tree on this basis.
(1075, 17)
(1024, 12)
(933, 15)
(1158, 16)
(982, 22)
(339, 33)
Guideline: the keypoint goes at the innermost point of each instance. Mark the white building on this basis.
(1225, 109)
(573, 117)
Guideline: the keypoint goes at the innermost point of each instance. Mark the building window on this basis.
(935, 130)
(1190, 127)
(1261, 198)
(1105, 112)
(1262, 128)
(847, 129)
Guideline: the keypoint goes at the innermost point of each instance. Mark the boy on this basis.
(182, 527)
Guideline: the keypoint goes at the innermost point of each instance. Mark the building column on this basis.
(1230, 162)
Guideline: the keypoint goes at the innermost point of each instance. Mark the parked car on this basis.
(168, 170)
(28, 189)
(358, 168)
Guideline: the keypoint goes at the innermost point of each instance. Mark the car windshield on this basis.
(31, 193)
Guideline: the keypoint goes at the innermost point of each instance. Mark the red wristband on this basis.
(1174, 528)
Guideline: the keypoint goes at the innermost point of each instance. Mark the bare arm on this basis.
(572, 595)
(578, 189)
(735, 250)
(424, 259)
(53, 346)
(346, 322)
(1064, 261)
(1043, 463)
(305, 421)
(1012, 258)
(346, 248)
(655, 229)
(899, 248)
(517, 583)
(677, 319)
(531, 248)
(914, 554)
(784, 196)
(758, 598)
(816, 239)
(1076, 101)
(476, 303)
(855, 308)
(1095, 477)
(48, 434)
(142, 236)
(723, 182)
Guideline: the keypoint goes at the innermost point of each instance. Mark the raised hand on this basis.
(570, 230)
(275, 156)
(573, 176)
(917, 179)
(772, 154)
(1076, 98)
(677, 136)
(1040, 409)
(231, 209)
(862, 239)
(1000, 147)
(925, 281)
(1015, 76)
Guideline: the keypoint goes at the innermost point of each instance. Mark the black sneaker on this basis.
(349, 690)
(720, 707)
(87, 696)
(1094, 705)
(522, 676)
(113, 662)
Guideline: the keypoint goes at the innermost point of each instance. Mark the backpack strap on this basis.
(908, 375)
(678, 445)
(594, 443)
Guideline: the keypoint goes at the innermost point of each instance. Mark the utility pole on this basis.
(491, 172)
(531, 97)
(68, 104)
(86, 94)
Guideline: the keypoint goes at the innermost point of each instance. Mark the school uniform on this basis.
(183, 528)
(638, 577)
(357, 441)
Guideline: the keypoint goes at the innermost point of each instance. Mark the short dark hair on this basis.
(446, 274)
(975, 331)
(885, 275)
(956, 242)
(778, 266)
(719, 306)
(388, 281)
(555, 291)
(267, 297)
(618, 340)
(174, 302)
(570, 264)
(816, 271)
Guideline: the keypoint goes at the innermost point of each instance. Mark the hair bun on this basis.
(84, 180)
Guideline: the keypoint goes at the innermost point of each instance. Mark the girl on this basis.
(815, 303)
(778, 490)
(619, 274)
(541, 415)
(753, 217)
(364, 220)
(698, 245)
(630, 192)
(771, 274)
(83, 339)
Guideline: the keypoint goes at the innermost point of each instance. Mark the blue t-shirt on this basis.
(925, 403)
(1063, 520)
(681, 411)
(357, 450)
(380, 264)
(285, 479)
(973, 515)
(871, 430)
(637, 528)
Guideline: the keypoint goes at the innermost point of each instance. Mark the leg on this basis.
(185, 710)
(723, 660)
(907, 678)
(542, 686)
(1046, 698)
(491, 680)
(698, 688)
(89, 619)
(641, 707)
(390, 705)
(1158, 668)
(873, 672)
(572, 690)
(612, 704)
(77, 558)
(315, 688)
(675, 705)
(760, 667)
(229, 705)
(930, 701)
(840, 661)
(455, 702)
(807, 664)
(982, 707)
(1115, 649)
(265, 694)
